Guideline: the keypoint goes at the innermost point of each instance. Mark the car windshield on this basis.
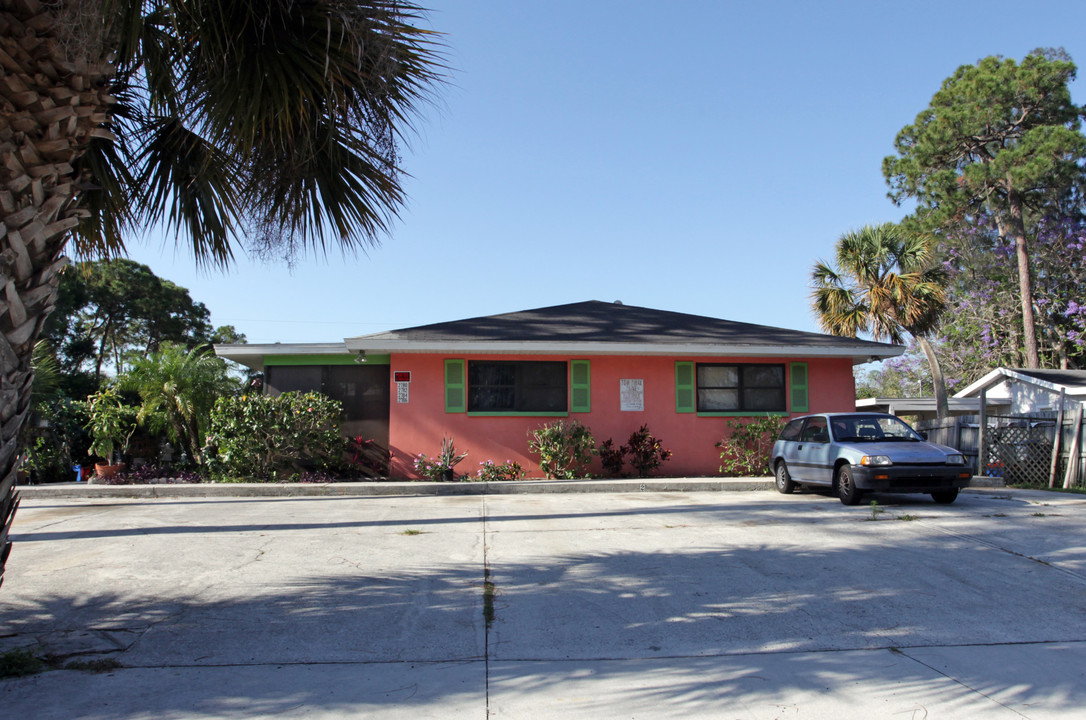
(872, 428)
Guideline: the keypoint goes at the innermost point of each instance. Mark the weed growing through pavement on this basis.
(100, 665)
(876, 510)
(24, 661)
(20, 662)
(411, 532)
(908, 517)
(488, 598)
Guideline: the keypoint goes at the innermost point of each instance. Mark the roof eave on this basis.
(858, 355)
(995, 376)
(252, 356)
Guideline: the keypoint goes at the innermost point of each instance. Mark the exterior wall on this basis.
(418, 425)
(1027, 398)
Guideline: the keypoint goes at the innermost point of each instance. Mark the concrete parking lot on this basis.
(628, 605)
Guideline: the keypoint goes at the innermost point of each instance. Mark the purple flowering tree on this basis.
(983, 326)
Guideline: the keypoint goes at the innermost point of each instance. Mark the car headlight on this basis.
(876, 460)
(955, 459)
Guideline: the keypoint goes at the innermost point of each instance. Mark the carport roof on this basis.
(925, 407)
(612, 328)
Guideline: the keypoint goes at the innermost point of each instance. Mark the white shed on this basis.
(1031, 391)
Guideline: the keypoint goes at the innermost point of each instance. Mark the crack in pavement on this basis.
(955, 680)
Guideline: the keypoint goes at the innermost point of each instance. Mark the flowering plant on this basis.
(440, 467)
(489, 472)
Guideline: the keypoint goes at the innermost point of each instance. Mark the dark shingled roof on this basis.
(1067, 378)
(605, 322)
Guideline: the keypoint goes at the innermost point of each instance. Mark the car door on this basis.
(813, 462)
(787, 444)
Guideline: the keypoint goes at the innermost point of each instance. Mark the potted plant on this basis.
(111, 425)
(440, 467)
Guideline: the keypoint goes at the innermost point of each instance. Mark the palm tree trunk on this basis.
(50, 108)
(942, 405)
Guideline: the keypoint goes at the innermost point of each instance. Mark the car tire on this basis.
(945, 497)
(845, 485)
(783, 479)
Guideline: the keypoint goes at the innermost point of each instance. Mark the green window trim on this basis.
(685, 390)
(751, 413)
(799, 396)
(580, 386)
(456, 391)
(513, 413)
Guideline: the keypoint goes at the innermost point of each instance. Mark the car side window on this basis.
(791, 430)
(815, 430)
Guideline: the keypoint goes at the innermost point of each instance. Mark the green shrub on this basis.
(564, 447)
(745, 451)
(111, 424)
(47, 460)
(264, 438)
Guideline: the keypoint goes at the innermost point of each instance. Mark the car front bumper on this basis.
(912, 478)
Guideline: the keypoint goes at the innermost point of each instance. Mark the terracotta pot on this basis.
(107, 471)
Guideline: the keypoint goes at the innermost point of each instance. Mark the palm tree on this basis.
(273, 123)
(886, 283)
(178, 388)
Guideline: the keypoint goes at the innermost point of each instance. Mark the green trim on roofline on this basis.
(281, 360)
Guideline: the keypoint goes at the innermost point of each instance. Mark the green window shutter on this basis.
(580, 386)
(455, 387)
(685, 390)
(800, 394)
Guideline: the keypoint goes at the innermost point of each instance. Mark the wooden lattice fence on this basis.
(1017, 449)
(1020, 454)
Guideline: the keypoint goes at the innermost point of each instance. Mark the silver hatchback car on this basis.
(857, 452)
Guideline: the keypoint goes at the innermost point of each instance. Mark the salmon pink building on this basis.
(488, 382)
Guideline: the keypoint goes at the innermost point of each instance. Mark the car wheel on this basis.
(945, 497)
(846, 486)
(785, 485)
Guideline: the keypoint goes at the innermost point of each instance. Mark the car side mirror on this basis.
(923, 434)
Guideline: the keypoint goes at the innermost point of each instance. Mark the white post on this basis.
(982, 435)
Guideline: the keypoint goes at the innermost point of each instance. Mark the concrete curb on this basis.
(362, 489)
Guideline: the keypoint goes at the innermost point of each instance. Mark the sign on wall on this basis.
(403, 382)
(631, 395)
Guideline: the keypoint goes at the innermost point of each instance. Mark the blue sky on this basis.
(685, 155)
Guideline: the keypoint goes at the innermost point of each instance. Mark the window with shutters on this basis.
(740, 388)
(517, 386)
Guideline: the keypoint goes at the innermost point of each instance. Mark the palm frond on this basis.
(278, 117)
(193, 183)
(312, 99)
(893, 286)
